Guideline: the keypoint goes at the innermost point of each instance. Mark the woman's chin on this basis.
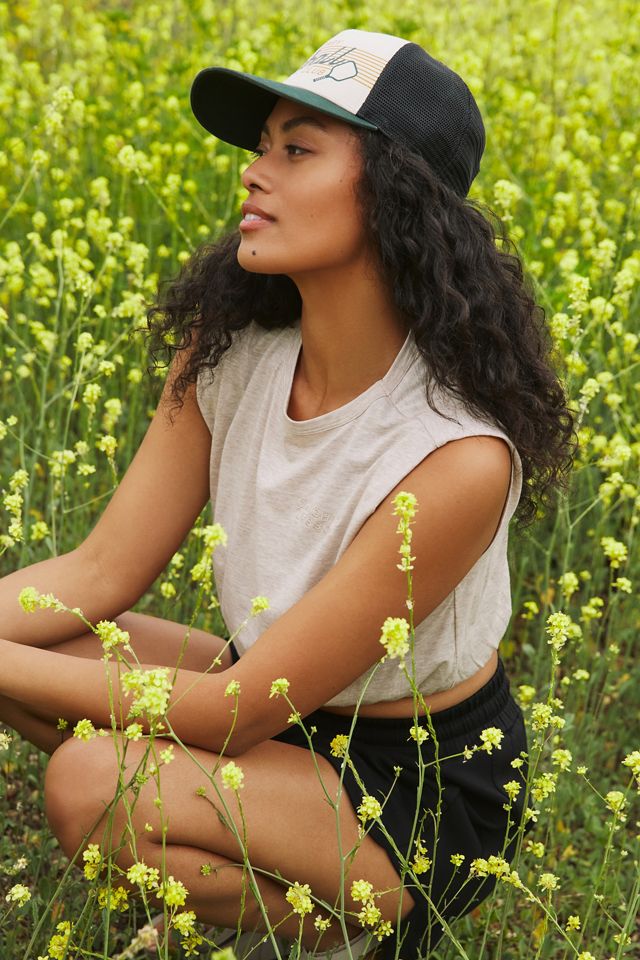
(250, 256)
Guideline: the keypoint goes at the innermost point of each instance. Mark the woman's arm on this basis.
(75, 579)
(148, 517)
(76, 689)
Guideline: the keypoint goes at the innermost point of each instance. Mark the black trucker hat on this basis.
(372, 80)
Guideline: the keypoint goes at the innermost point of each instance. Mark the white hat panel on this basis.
(345, 68)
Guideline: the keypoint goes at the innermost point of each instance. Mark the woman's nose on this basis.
(251, 177)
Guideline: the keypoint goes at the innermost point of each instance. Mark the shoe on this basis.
(246, 942)
(359, 945)
(223, 938)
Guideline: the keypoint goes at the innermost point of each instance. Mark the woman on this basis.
(366, 337)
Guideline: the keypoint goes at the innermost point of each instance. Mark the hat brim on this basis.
(233, 105)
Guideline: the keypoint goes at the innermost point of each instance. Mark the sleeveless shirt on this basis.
(291, 496)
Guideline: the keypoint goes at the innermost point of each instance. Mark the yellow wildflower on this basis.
(232, 776)
(361, 890)
(84, 730)
(394, 637)
(174, 892)
(548, 881)
(491, 737)
(93, 861)
(18, 894)
(369, 809)
(299, 896)
(338, 745)
(279, 687)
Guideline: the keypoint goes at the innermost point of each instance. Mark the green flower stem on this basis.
(335, 804)
(503, 925)
(601, 875)
(232, 827)
(25, 183)
(56, 897)
(405, 529)
(533, 762)
(175, 225)
(633, 910)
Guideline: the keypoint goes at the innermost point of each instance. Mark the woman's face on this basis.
(304, 179)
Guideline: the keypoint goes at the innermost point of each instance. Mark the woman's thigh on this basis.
(286, 821)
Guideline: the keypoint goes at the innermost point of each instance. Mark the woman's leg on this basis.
(153, 639)
(291, 830)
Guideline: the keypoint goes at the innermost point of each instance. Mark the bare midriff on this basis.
(434, 701)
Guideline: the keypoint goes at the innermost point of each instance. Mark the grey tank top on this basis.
(291, 496)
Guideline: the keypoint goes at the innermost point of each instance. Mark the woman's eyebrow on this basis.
(297, 122)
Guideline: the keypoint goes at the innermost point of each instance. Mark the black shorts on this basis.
(473, 820)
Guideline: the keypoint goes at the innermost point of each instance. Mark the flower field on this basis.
(107, 186)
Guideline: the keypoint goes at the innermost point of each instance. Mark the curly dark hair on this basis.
(471, 309)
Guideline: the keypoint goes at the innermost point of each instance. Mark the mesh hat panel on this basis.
(428, 112)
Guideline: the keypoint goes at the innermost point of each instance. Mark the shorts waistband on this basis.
(492, 704)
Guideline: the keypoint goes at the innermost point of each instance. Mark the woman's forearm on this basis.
(74, 579)
(75, 688)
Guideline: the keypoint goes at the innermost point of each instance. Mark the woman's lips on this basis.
(254, 224)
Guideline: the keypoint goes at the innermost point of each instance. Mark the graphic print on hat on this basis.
(346, 67)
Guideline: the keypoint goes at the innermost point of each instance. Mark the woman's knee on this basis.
(79, 780)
